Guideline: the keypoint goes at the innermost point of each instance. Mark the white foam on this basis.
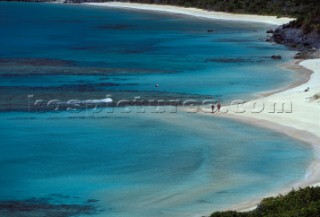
(93, 101)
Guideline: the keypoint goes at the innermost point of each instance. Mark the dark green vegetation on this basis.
(301, 203)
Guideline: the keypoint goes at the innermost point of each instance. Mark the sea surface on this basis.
(129, 160)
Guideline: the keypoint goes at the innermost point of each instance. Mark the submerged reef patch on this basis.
(43, 207)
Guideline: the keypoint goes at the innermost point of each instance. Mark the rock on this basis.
(270, 31)
(276, 57)
(296, 38)
(299, 56)
(308, 54)
(210, 30)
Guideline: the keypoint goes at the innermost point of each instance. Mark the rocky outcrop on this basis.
(296, 38)
(308, 54)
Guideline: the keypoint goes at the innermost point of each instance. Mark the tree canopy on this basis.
(301, 203)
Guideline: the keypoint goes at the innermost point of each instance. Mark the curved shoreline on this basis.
(195, 12)
(293, 65)
(302, 123)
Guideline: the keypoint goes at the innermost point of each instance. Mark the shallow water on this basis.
(144, 164)
(136, 164)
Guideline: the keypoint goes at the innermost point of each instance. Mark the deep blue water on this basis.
(137, 164)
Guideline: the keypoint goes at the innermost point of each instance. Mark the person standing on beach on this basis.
(212, 108)
(219, 106)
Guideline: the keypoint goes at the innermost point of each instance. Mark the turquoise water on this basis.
(175, 164)
(136, 164)
(125, 53)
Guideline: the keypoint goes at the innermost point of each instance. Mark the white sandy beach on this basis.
(197, 12)
(300, 118)
(301, 112)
